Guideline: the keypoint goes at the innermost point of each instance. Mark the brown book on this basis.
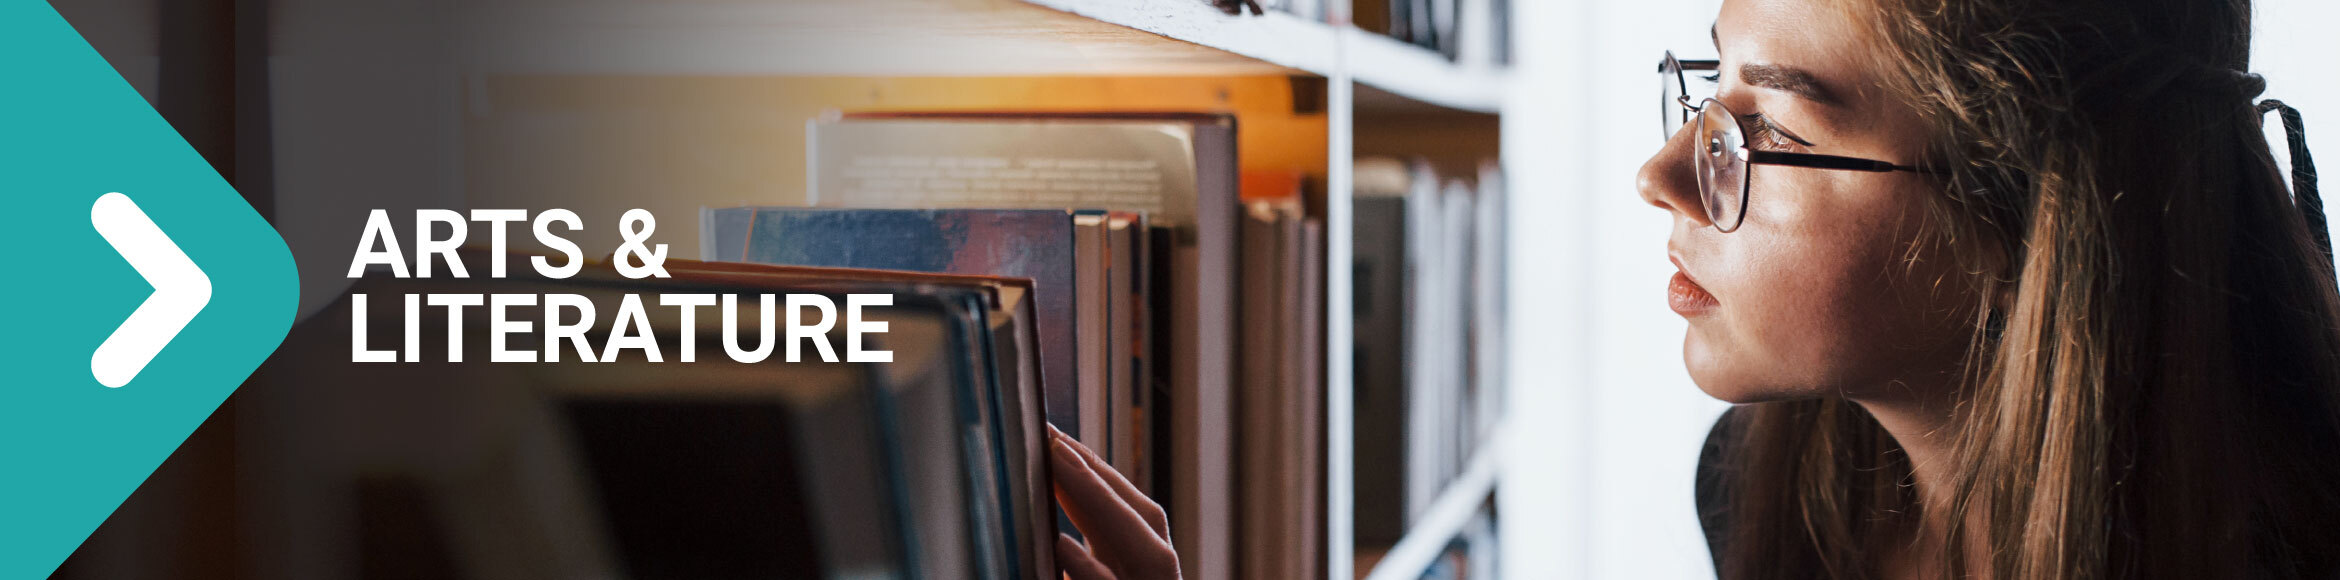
(1093, 332)
(1262, 396)
(1310, 407)
(1130, 355)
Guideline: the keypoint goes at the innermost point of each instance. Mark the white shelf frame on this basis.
(1420, 75)
(1322, 49)
(964, 38)
(1340, 400)
(1275, 37)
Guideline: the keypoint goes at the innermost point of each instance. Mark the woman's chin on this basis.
(1718, 376)
(1697, 357)
(1741, 395)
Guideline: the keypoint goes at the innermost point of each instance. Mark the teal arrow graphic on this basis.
(72, 132)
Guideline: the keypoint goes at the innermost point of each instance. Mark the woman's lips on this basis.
(1686, 297)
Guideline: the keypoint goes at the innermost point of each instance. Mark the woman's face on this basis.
(1824, 288)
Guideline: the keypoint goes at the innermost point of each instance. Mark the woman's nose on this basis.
(1670, 181)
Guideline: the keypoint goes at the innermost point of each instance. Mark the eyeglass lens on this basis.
(1722, 173)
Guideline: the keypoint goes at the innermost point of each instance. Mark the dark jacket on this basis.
(1713, 501)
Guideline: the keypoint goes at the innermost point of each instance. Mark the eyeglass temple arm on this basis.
(2303, 172)
(1818, 161)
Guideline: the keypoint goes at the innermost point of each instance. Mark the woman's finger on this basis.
(1111, 526)
(1145, 506)
(1086, 499)
(1077, 562)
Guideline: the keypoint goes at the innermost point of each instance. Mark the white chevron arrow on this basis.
(180, 290)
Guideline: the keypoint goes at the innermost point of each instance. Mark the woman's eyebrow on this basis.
(1789, 79)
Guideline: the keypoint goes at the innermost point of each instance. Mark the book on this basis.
(1309, 429)
(1265, 457)
(1093, 332)
(1429, 305)
(1129, 283)
(1380, 347)
(1489, 237)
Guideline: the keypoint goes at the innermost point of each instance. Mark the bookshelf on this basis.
(1380, 96)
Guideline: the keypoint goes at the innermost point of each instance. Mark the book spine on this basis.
(1259, 397)
(1091, 331)
(1206, 269)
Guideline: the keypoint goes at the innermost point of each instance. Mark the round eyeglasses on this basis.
(1720, 154)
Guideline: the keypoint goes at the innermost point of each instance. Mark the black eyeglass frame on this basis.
(1747, 155)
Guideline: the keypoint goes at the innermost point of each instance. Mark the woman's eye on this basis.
(1761, 134)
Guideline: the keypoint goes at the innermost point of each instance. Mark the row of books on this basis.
(1430, 24)
(1282, 405)
(1429, 333)
(1180, 325)
(1195, 304)
(1435, 25)
(653, 463)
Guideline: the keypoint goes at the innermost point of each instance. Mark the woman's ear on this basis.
(2002, 303)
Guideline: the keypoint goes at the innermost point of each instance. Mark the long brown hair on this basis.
(2154, 386)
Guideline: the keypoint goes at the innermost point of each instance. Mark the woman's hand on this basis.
(1129, 538)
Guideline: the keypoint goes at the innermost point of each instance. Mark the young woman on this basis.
(2004, 289)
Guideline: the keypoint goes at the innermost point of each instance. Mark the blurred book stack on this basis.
(1313, 10)
(1430, 24)
(1429, 330)
(1440, 25)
